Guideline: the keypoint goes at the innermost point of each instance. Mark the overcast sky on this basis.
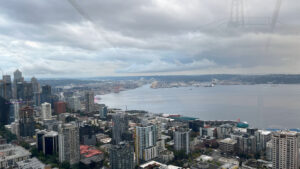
(61, 38)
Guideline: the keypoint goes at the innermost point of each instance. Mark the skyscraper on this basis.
(50, 143)
(46, 111)
(14, 110)
(37, 98)
(103, 112)
(74, 103)
(120, 126)
(89, 101)
(7, 78)
(145, 143)
(26, 122)
(6, 87)
(4, 111)
(122, 156)
(28, 91)
(39, 140)
(285, 150)
(35, 85)
(17, 78)
(69, 148)
(46, 94)
(19, 90)
(182, 140)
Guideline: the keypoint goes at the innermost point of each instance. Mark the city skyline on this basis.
(90, 39)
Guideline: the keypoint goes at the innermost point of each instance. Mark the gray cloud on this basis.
(52, 38)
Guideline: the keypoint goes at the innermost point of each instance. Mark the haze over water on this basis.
(263, 106)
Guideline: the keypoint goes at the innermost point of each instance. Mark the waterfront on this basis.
(263, 106)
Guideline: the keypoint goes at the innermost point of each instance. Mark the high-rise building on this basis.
(285, 150)
(47, 142)
(182, 140)
(26, 122)
(69, 148)
(35, 85)
(89, 101)
(7, 78)
(14, 110)
(122, 156)
(37, 98)
(46, 111)
(46, 94)
(103, 112)
(6, 87)
(17, 78)
(5, 90)
(28, 91)
(50, 143)
(145, 143)
(74, 103)
(24, 91)
(4, 111)
(39, 140)
(59, 107)
(120, 126)
(262, 137)
(87, 134)
(19, 90)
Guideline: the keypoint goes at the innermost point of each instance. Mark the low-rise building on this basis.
(204, 158)
(90, 154)
(227, 145)
(253, 164)
(32, 163)
(166, 156)
(11, 154)
(157, 165)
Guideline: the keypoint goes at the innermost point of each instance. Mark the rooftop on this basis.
(228, 141)
(158, 165)
(9, 151)
(88, 151)
(30, 164)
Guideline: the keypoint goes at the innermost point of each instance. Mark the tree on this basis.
(7, 134)
(65, 165)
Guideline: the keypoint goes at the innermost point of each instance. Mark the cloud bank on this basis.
(72, 38)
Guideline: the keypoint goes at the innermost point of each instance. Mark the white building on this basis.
(32, 163)
(150, 153)
(207, 131)
(182, 140)
(68, 140)
(46, 111)
(285, 150)
(11, 154)
(15, 106)
(269, 147)
(74, 103)
(145, 142)
(154, 164)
